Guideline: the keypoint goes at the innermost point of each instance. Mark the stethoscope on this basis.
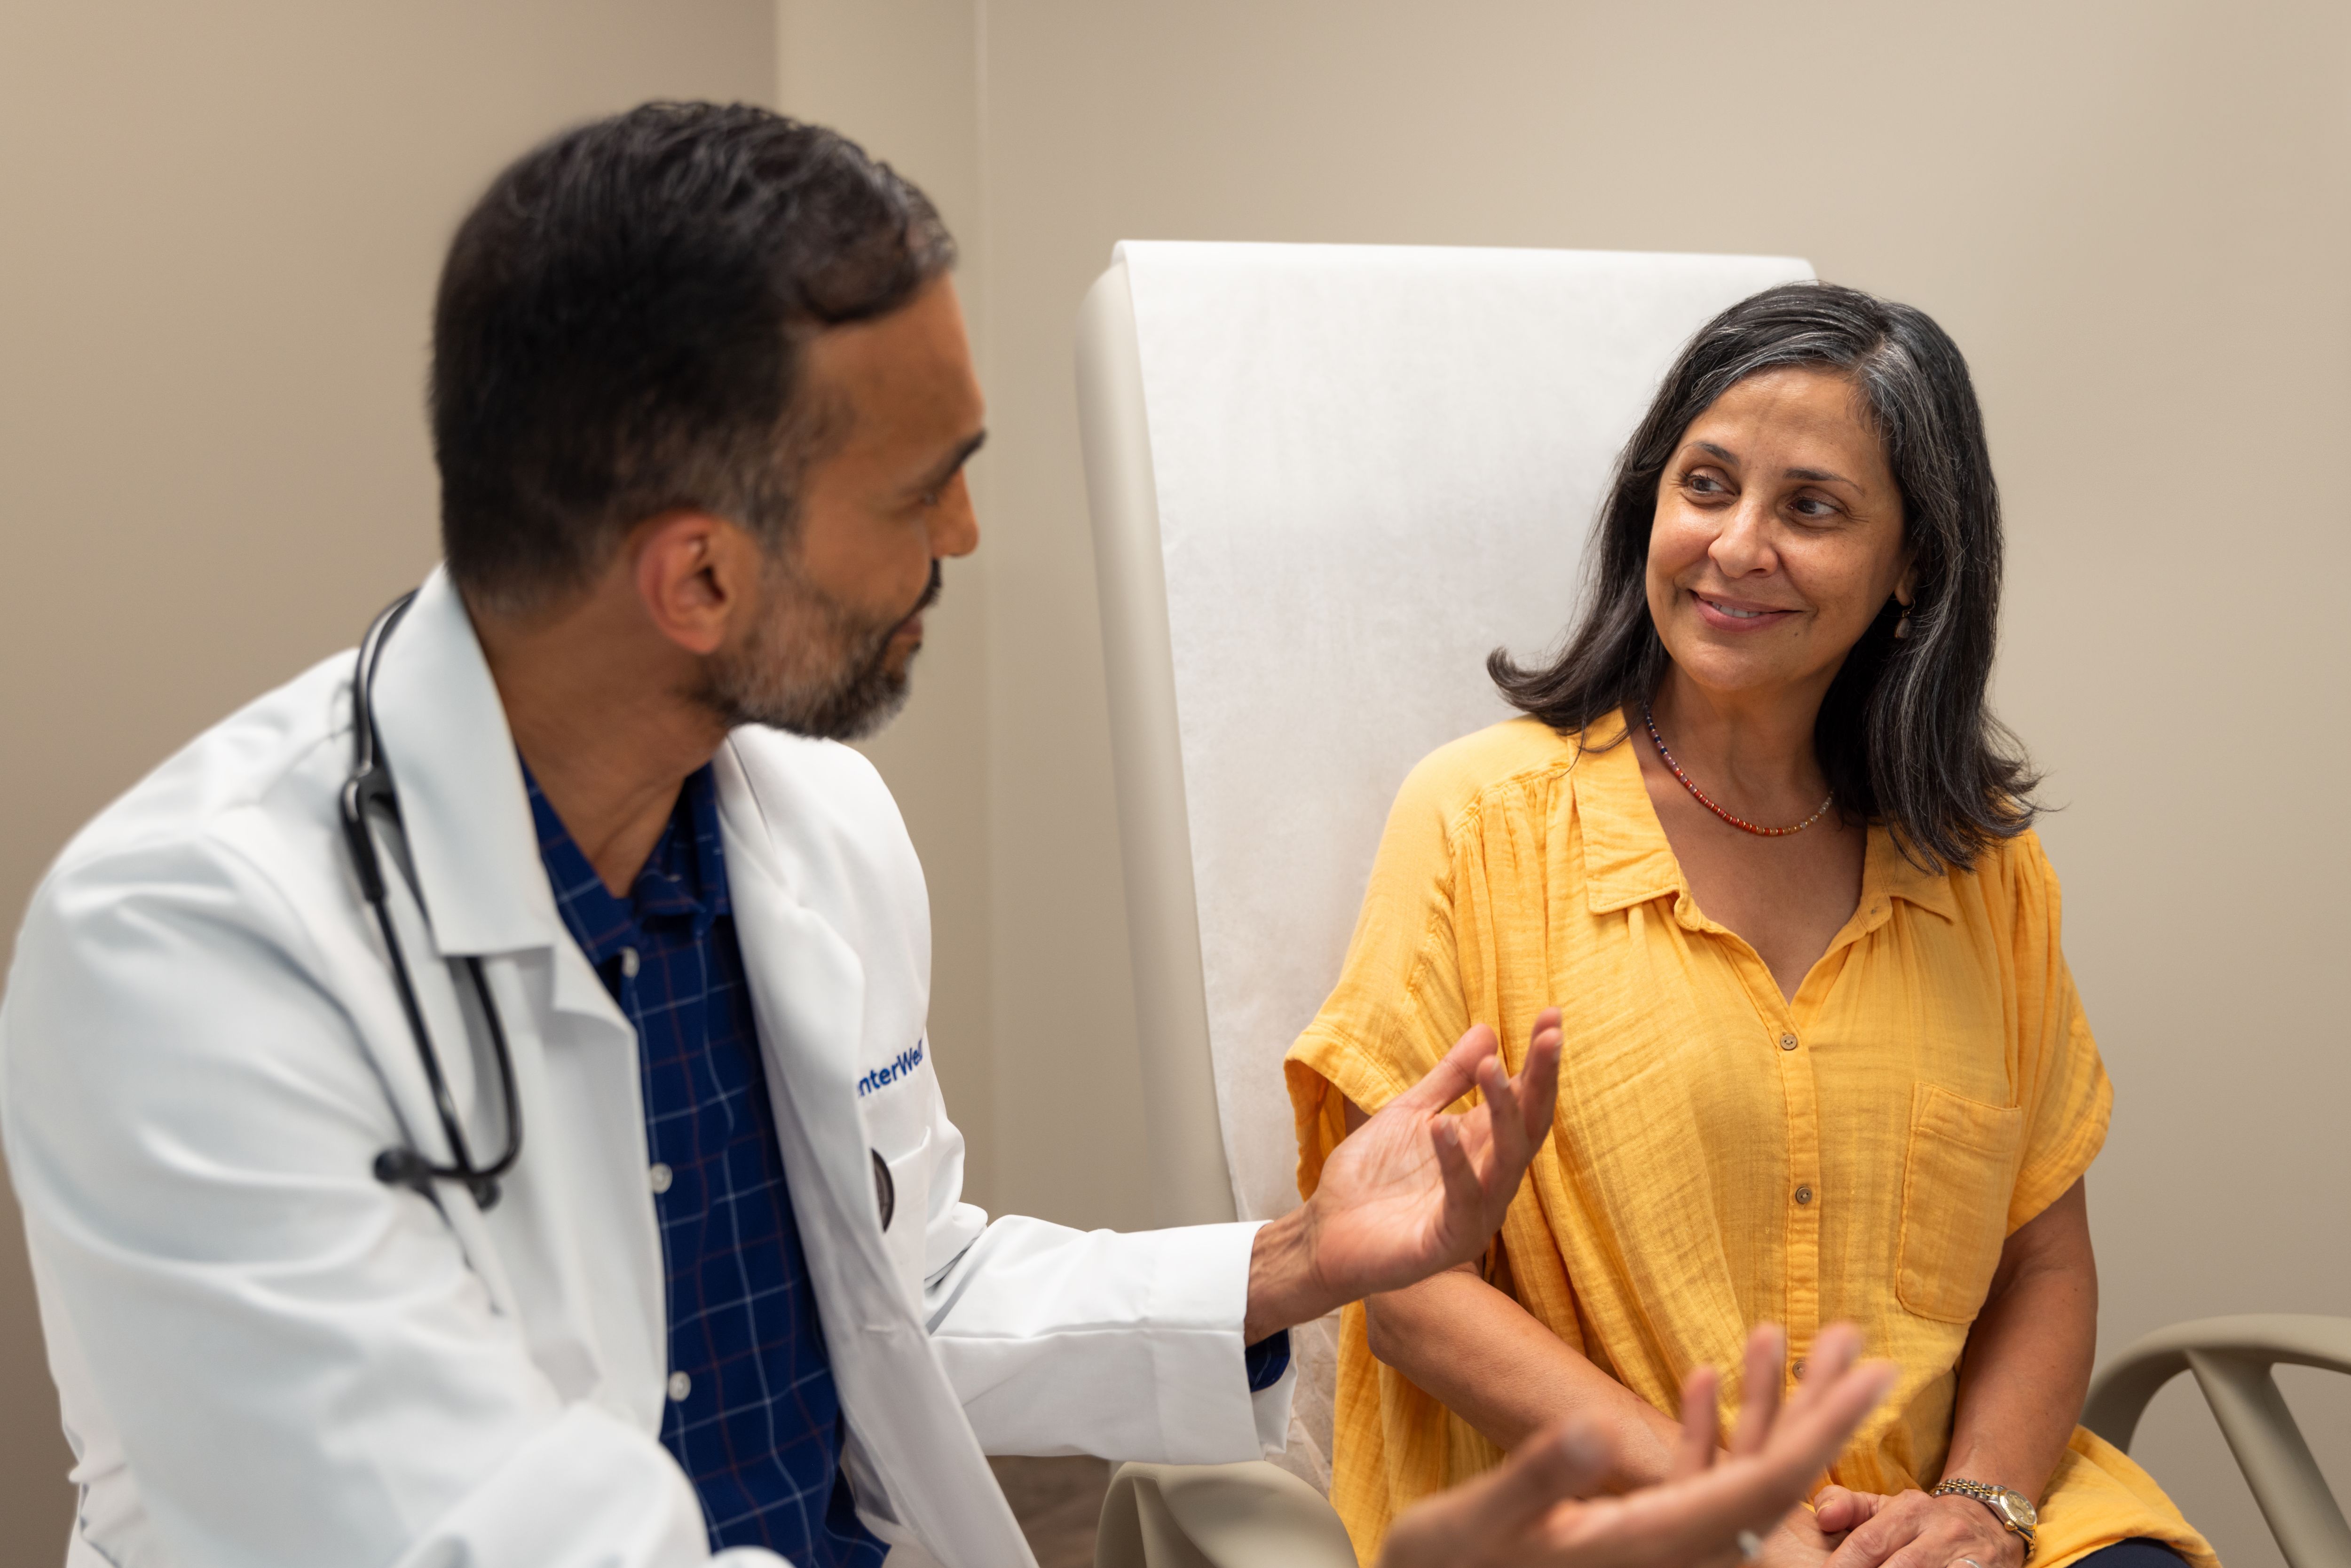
(369, 797)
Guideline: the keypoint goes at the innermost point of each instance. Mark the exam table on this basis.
(1325, 481)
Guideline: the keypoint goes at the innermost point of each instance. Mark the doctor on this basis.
(590, 1197)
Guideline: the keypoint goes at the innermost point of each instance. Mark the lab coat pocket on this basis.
(1955, 1192)
(910, 1211)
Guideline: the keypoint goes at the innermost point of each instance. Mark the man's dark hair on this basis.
(1904, 733)
(619, 324)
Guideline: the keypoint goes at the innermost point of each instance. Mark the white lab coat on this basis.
(266, 1357)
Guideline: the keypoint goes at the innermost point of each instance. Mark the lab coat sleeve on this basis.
(297, 1362)
(1126, 1345)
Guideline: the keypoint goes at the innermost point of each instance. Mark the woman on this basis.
(1758, 837)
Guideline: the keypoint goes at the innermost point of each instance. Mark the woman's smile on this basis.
(1722, 613)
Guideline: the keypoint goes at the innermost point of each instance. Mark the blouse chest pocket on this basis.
(1956, 1186)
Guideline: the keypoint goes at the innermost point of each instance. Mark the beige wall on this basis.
(2133, 217)
(221, 227)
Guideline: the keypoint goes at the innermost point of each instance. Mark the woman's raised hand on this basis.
(1413, 1191)
(1715, 1513)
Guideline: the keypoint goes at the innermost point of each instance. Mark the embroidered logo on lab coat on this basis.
(889, 1072)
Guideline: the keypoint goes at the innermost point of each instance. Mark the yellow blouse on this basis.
(1722, 1156)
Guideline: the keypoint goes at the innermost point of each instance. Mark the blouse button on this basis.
(630, 963)
(1787, 1043)
(1804, 1194)
(659, 1178)
(680, 1385)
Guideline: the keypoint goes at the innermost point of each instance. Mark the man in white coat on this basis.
(590, 1198)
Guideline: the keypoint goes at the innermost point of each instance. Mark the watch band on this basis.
(1996, 1501)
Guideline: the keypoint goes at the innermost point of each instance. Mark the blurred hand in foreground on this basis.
(1716, 1511)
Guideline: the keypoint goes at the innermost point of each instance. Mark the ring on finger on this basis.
(1750, 1546)
(1971, 1562)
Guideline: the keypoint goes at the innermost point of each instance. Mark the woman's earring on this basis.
(1901, 627)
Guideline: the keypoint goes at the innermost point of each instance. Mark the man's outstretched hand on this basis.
(1524, 1515)
(1413, 1191)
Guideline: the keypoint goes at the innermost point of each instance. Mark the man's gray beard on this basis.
(813, 666)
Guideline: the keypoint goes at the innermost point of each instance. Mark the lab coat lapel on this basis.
(808, 996)
(571, 1251)
(471, 839)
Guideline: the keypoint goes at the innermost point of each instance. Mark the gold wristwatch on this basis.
(2012, 1509)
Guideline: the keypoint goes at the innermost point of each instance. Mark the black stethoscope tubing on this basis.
(369, 790)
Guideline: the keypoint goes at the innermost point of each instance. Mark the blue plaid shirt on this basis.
(753, 1415)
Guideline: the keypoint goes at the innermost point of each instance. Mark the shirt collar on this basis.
(1627, 860)
(684, 877)
(1892, 874)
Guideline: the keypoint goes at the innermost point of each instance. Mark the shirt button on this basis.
(1787, 1042)
(1804, 1194)
(1799, 1369)
(658, 1178)
(630, 963)
(680, 1385)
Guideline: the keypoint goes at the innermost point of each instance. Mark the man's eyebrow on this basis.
(955, 460)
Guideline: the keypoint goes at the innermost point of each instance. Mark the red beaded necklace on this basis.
(1740, 823)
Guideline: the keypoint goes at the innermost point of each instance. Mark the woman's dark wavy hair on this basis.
(1904, 733)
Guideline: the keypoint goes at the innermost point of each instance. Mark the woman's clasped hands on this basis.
(1914, 1529)
(1719, 1507)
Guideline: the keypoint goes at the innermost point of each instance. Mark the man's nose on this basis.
(955, 525)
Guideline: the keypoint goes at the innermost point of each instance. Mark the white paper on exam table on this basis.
(1373, 466)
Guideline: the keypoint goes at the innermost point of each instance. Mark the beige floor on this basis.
(1057, 1503)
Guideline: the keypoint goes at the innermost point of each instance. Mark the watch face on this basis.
(2015, 1509)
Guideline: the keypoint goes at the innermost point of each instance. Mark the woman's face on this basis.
(1778, 536)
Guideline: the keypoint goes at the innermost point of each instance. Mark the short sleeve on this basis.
(1397, 1007)
(2062, 1084)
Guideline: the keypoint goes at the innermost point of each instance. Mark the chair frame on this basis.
(2230, 1358)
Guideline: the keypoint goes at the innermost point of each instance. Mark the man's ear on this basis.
(696, 577)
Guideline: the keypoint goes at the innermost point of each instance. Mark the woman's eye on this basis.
(1702, 485)
(1812, 506)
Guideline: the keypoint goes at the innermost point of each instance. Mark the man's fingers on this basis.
(1538, 1085)
(1758, 1390)
(1807, 1439)
(1451, 1078)
(1520, 1110)
(1567, 1461)
(1506, 1164)
(1700, 1390)
(1463, 1194)
(1838, 1348)
(1693, 1520)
